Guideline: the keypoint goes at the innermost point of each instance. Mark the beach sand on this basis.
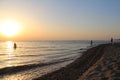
(107, 67)
(98, 63)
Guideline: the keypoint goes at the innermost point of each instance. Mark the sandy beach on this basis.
(107, 67)
(98, 63)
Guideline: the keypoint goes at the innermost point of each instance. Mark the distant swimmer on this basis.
(15, 46)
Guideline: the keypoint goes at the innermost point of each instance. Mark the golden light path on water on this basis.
(10, 50)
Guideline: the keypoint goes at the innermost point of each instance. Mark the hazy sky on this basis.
(64, 19)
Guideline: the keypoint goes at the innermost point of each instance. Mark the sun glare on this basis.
(9, 28)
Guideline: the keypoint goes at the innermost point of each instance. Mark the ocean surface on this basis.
(35, 52)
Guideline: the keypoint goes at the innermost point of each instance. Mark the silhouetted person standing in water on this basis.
(91, 42)
(111, 40)
(15, 46)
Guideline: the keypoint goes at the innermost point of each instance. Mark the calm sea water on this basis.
(31, 52)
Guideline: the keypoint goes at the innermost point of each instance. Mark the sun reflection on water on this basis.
(9, 44)
(10, 50)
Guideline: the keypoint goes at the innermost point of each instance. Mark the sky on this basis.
(63, 19)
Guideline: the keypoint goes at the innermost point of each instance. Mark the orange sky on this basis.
(62, 20)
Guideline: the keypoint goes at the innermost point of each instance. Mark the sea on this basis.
(32, 52)
(32, 59)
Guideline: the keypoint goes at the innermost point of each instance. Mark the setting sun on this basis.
(9, 28)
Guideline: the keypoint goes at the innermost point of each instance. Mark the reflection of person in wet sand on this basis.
(15, 46)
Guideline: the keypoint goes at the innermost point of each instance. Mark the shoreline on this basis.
(15, 69)
(84, 65)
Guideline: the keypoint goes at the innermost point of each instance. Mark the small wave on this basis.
(2, 54)
(15, 69)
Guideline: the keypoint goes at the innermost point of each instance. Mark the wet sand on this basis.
(29, 72)
(98, 63)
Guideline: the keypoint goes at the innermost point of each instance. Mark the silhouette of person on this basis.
(91, 42)
(111, 40)
(15, 45)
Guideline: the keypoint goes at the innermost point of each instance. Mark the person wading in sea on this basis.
(112, 41)
(15, 45)
(91, 42)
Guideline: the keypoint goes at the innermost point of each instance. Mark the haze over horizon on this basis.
(62, 19)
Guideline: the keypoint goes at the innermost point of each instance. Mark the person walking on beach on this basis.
(91, 42)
